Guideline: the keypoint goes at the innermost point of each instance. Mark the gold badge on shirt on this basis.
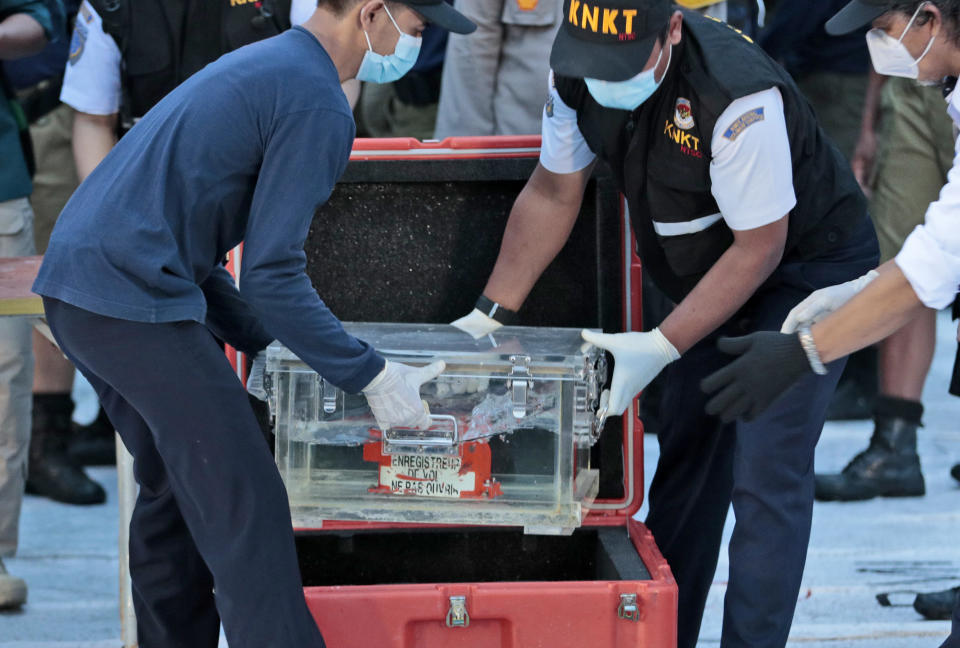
(683, 115)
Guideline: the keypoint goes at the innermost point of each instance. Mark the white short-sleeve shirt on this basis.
(91, 82)
(751, 171)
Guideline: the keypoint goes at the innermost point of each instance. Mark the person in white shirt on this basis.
(741, 209)
(93, 81)
(915, 39)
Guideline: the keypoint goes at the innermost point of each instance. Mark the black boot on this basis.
(937, 606)
(51, 472)
(94, 444)
(955, 471)
(890, 466)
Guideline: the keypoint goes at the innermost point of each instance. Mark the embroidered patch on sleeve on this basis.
(743, 122)
(77, 42)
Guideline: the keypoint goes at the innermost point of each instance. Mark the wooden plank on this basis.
(16, 278)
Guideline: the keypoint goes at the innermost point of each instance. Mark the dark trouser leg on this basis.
(768, 467)
(218, 468)
(172, 611)
(773, 505)
(690, 491)
(953, 641)
(772, 486)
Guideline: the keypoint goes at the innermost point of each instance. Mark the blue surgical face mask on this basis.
(629, 94)
(379, 68)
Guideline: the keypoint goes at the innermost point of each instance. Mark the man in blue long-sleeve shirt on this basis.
(246, 149)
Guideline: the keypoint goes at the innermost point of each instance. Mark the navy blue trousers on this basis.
(953, 641)
(765, 468)
(211, 537)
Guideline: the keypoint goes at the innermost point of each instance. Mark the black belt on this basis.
(40, 100)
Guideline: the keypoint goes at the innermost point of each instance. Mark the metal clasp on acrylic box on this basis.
(519, 382)
(329, 392)
(441, 438)
(457, 616)
(590, 405)
(629, 608)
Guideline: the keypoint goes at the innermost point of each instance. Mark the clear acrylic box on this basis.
(515, 416)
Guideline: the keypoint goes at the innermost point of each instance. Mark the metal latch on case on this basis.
(629, 608)
(519, 382)
(442, 437)
(329, 396)
(457, 616)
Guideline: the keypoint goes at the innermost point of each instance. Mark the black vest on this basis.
(163, 42)
(660, 155)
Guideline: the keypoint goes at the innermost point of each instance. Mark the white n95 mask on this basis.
(890, 56)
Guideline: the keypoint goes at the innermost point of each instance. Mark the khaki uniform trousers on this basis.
(16, 380)
(915, 150)
(495, 79)
(56, 177)
(838, 101)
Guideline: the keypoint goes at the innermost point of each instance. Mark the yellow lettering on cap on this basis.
(629, 15)
(574, 6)
(592, 18)
(610, 15)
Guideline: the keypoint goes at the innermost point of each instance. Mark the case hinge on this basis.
(589, 403)
(457, 616)
(519, 382)
(629, 608)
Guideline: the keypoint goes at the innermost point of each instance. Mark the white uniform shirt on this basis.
(751, 171)
(91, 82)
(930, 258)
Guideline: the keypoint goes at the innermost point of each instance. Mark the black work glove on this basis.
(768, 365)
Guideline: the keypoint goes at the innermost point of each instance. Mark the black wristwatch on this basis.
(495, 311)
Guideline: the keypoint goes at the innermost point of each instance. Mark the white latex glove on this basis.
(639, 358)
(477, 324)
(394, 395)
(255, 379)
(822, 302)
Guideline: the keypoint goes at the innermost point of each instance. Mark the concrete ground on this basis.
(68, 554)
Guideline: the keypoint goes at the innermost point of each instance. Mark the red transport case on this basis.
(410, 234)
